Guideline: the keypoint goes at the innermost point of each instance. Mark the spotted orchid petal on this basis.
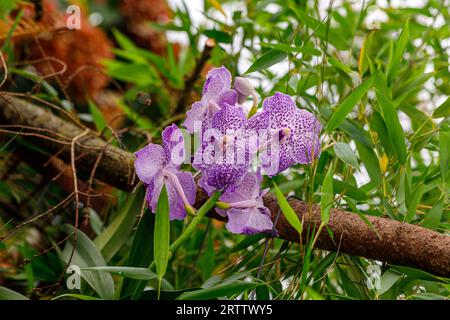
(249, 221)
(149, 161)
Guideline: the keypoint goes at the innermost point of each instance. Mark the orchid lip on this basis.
(284, 134)
(174, 180)
(245, 204)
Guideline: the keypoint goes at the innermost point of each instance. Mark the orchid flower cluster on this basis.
(234, 150)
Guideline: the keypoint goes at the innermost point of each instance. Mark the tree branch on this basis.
(399, 243)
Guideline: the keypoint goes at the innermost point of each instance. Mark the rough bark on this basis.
(398, 243)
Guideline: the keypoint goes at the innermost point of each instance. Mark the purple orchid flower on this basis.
(216, 91)
(294, 134)
(223, 159)
(157, 165)
(245, 208)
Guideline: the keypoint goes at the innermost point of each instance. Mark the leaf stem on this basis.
(208, 205)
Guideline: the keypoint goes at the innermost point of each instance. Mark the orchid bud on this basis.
(222, 205)
(244, 88)
(190, 210)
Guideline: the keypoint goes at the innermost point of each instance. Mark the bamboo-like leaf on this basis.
(444, 157)
(400, 46)
(97, 116)
(344, 108)
(127, 272)
(393, 126)
(287, 210)
(118, 231)
(326, 199)
(433, 216)
(221, 290)
(162, 234)
(267, 60)
(346, 154)
(443, 110)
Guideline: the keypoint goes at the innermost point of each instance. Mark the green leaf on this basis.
(415, 201)
(6, 6)
(388, 279)
(346, 154)
(221, 290)
(127, 272)
(443, 110)
(8, 294)
(76, 296)
(364, 58)
(419, 274)
(444, 154)
(344, 108)
(287, 210)
(267, 60)
(99, 120)
(246, 242)
(370, 160)
(400, 46)
(141, 254)
(341, 187)
(88, 255)
(326, 198)
(117, 233)
(162, 234)
(219, 36)
(324, 264)
(433, 216)
(393, 126)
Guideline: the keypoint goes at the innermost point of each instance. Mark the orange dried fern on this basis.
(27, 27)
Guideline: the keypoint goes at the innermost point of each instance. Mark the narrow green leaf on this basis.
(141, 255)
(415, 201)
(400, 46)
(76, 296)
(287, 210)
(388, 279)
(433, 216)
(117, 233)
(162, 234)
(326, 199)
(393, 126)
(6, 6)
(364, 58)
(267, 60)
(246, 242)
(344, 108)
(99, 120)
(127, 272)
(443, 110)
(8, 294)
(346, 154)
(341, 187)
(219, 36)
(221, 290)
(444, 152)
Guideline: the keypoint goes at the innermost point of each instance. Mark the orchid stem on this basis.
(195, 221)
